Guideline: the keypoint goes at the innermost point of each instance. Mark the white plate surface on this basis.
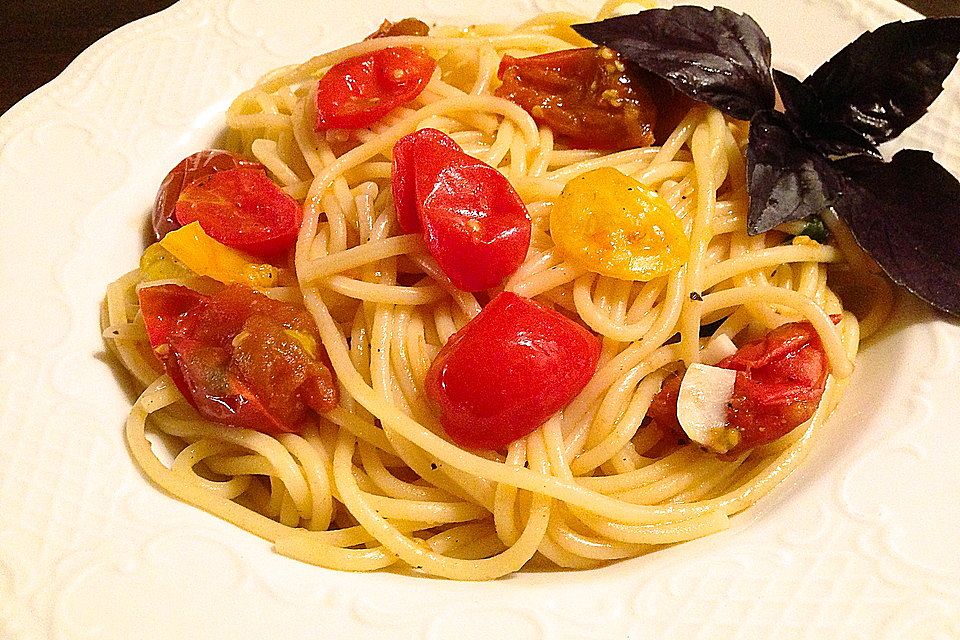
(861, 543)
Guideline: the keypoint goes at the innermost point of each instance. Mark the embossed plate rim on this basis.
(90, 550)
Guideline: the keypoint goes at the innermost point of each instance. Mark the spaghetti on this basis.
(374, 482)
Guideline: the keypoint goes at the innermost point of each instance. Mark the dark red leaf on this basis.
(883, 81)
(788, 179)
(805, 107)
(905, 214)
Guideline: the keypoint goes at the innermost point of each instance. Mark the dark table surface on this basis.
(39, 38)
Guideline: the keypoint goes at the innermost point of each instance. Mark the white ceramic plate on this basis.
(862, 543)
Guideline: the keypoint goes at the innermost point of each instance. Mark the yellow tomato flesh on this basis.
(611, 224)
(206, 257)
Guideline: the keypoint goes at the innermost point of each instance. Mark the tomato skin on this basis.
(663, 407)
(163, 306)
(587, 96)
(238, 357)
(508, 370)
(403, 175)
(359, 91)
(780, 380)
(188, 170)
(405, 27)
(202, 374)
(243, 209)
(473, 222)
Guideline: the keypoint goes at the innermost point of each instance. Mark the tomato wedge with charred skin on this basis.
(190, 169)
(588, 97)
(243, 209)
(508, 370)
(238, 357)
(472, 220)
(359, 91)
(780, 380)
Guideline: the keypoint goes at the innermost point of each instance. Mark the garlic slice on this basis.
(702, 406)
(717, 348)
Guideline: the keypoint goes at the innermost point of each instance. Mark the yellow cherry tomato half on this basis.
(611, 224)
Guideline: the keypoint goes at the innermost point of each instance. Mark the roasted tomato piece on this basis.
(191, 168)
(278, 361)
(359, 91)
(780, 380)
(202, 373)
(405, 27)
(197, 254)
(589, 97)
(239, 357)
(663, 407)
(163, 306)
(508, 370)
(473, 222)
(243, 209)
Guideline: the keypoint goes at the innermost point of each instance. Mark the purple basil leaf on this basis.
(883, 81)
(798, 99)
(788, 179)
(831, 138)
(715, 56)
(905, 213)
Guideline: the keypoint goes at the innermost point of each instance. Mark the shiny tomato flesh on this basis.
(613, 225)
(508, 370)
(190, 169)
(239, 357)
(780, 380)
(472, 220)
(359, 91)
(588, 97)
(243, 209)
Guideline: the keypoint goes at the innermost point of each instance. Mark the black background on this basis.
(39, 38)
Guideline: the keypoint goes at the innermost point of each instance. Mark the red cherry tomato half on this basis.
(589, 97)
(780, 380)
(403, 179)
(243, 209)
(359, 91)
(473, 222)
(239, 357)
(191, 168)
(508, 370)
